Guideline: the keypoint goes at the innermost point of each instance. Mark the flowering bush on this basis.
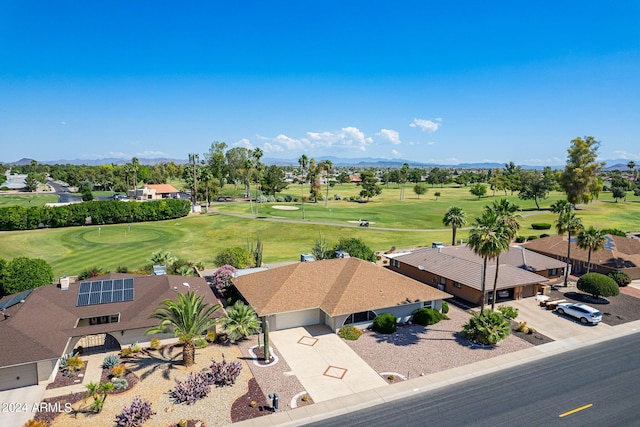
(198, 384)
(221, 278)
(225, 373)
(135, 414)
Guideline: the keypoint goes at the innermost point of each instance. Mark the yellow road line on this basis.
(573, 411)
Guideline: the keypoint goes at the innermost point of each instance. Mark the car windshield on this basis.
(596, 314)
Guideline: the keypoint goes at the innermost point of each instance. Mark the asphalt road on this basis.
(604, 375)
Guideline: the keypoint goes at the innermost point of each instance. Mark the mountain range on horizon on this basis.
(620, 164)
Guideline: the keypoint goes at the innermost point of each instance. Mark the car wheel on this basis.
(560, 311)
(584, 320)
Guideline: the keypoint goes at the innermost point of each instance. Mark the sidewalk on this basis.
(363, 400)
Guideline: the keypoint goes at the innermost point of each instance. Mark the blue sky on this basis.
(428, 81)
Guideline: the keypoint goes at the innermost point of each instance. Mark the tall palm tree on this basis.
(193, 159)
(188, 317)
(591, 239)
(135, 163)
(488, 238)
(506, 212)
(328, 167)
(569, 223)
(303, 161)
(561, 207)
(455, 218)
(241, 321)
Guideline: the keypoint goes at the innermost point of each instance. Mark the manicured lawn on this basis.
(26, 199)
(200, 238)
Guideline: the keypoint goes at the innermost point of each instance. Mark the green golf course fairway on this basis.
(200, 238)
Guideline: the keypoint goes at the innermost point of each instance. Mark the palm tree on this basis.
(488, 239)
(328, 167)
(162, 258)
(631, 166)
(303, 161)
(188, 317)
(193, 159)
(569, 223)
(508, 218)
(591, 239)
(135, 163)
(455, 218)
(98, 391)
(561, 206)
(241, 321)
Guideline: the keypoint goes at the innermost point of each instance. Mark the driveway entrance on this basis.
(323, 363)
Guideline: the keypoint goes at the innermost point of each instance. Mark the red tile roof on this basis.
(162, 188)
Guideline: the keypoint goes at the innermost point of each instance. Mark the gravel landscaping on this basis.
(414, 350)
(62, 380)
(615, 310)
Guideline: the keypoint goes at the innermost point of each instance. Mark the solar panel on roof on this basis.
(16, 299)
(105, 291)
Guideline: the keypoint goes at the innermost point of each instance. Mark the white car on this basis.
(584, 313)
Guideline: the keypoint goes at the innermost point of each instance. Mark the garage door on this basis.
(18, 376)
(298, 318)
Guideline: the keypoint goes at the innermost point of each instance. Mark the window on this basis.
(457, 285)
(98, 320)
(363, 316)
(427, 304)
(553, 272)
(395, 263)
(443, 280)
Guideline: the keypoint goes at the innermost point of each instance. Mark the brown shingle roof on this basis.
(619, 252)
(40, 328)
(337, 286)
(467, 270)
(516, 256)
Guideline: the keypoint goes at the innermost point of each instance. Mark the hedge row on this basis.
(99, 212)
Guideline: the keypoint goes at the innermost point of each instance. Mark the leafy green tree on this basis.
(356, 248)
(478, 190)
(31, 182)
(618, 193)
(241, 321)
(237, 257)
(488, 238)
(321, 249)
(188, 317)
(273, 180)
(370, 187)
(24, 273)
(569, 223)
(535, 185)
(590, 239)
(581, 169)
(420, 188)
(487, 327)
(455, 218)
(598, 285)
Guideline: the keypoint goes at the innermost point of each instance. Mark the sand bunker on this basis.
(285, 208)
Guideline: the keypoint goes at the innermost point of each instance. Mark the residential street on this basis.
(602, 375)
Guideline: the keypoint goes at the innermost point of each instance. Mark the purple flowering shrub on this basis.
(221, 278)
(198, 384)
(135, 414)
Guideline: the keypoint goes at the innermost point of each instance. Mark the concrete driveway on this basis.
(18, 405)
(323, 363)
(552, 324)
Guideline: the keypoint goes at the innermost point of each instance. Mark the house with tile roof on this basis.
(103, 313)
(333, 292)
(154, 192)
(619, 254)
(458, 271)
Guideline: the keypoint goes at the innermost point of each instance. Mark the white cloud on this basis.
(292, 143)
(151, 153)
(272, 148)
(244, 142)
(395, 153)
(427, 125)
(543, 162)
(430, 143)
(390, 135)
(350, 137)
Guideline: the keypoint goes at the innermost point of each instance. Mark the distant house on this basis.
(334, 292)
(101, 314)
(154, 192)
(355, 178)
(458, 271)
(619, 254)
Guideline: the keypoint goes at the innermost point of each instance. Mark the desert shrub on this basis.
(445, 307)
(614, 232)
(122, 269)
(222, 280)
(487, 328)
(522, 327)
(279, 199)
(135, 348)
(385, 323)
(119, 383)
(236, 256)
(110, 361)
(262, 199)
(508, 312)
(211, 336)
(531, 331)
(34, 423)
(200, 343)
(426, 316)
(532, 237)
(598, 285)
(73, 364)
(541, 226)
(155, 343)
(543, 235)
(126, 352)
(92, 272)
(225, 373)
(622, 279)
(195, 387)
(521, 239)
(337, 197)
(118, 370)
(135, 414)
(350, 333)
